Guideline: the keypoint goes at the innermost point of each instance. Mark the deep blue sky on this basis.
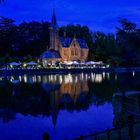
(96, 14)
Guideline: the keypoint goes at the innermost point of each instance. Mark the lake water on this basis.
(65, 106)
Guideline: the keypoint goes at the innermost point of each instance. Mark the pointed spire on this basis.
(54, 117)
(54, 107)
(54, 21)
(74, 37)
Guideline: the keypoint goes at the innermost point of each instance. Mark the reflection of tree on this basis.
(126, 81)
(27, 100)
(120, 117)
(54, 106)
(7, 115)
(71, 92)
(74, 93)
(34, 99)
(126, 104)
(102, 91)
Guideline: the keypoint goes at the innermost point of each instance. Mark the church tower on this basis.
(54, 33)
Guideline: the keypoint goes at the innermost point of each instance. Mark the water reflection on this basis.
(126, 104)
(52, 96)
(59, 79)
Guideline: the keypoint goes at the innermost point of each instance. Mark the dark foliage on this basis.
(32, 39)
(25, 39)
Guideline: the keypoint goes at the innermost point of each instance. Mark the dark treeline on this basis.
(30, 40)
(23, 40)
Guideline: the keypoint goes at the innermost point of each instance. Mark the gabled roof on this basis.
(82, 43)
(50, 54)
(66, 41)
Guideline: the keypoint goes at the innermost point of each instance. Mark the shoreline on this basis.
(66, 70)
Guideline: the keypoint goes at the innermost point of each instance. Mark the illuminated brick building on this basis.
(64, 48)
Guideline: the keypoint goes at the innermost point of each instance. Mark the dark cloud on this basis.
(97, 14)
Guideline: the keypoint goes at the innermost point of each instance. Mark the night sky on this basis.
(99, 15)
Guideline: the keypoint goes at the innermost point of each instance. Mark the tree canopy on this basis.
(32, 38)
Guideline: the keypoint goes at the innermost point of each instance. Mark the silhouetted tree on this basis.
(128, 39)
(80, 32)
(32, 39)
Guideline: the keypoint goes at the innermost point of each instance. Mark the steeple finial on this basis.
(54, 21)
(74, 36)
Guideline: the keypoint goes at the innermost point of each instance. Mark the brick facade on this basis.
(66, 48)
(74, 52)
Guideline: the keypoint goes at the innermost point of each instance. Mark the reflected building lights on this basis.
(108, 76)
(60, 79)
(11, 78)
(133, 74)
(86, 77)
(39, 79)
(81, 76)
(52, 78)
(76, 86)
(33, 79)
(98, 78)
(76, 79)
(103, 75)
(68, 78)
(25, 78)
(116, 77)
(1, 78)
(49, 78)
(20, 78)
(89, 76)
(93, 77)
(55, 79)
(74, 89)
